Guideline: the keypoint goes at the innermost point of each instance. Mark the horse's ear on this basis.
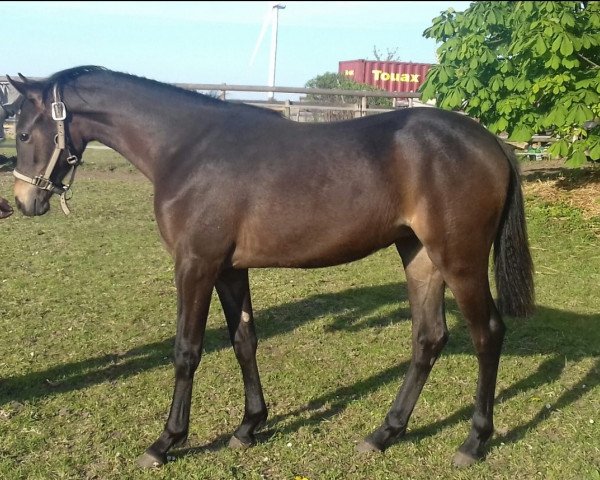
(20, 86)
(32, 91)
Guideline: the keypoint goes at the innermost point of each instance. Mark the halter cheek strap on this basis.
(43, 182)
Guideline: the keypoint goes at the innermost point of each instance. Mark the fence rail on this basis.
(298, 110)
(310, 111)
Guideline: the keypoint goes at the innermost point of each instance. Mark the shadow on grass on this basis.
(354, 304)
(352, 310)
(7, 164)
(568, 178)
(320, 409)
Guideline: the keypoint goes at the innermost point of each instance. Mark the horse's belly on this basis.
(310, 249)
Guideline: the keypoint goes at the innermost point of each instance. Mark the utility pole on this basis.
(273, 57)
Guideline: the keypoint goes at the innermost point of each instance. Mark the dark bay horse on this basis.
(239, 187)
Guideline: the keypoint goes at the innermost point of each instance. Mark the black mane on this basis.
(65, 76)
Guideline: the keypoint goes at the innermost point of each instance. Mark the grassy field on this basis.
(88, 318)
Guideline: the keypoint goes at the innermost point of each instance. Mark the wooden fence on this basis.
(355, 104)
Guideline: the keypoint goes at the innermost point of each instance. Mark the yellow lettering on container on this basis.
(394, 77)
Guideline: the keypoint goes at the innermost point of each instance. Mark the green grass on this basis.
(88, 318)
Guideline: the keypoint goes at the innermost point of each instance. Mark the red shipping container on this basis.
(390, 76)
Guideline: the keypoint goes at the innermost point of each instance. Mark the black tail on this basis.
(512, 261)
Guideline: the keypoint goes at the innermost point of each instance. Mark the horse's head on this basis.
(46, 146)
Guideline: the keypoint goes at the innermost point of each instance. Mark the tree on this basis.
(391, 56)
(523, 68)
(331, 81)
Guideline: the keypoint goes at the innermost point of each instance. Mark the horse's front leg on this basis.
(194, 280)
(234, 293)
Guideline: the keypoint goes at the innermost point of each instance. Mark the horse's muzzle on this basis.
(31, 201)
(37, 208)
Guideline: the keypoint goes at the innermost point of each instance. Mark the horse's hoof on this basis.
(235, 442)
(462, 459)
(148, 460)
(367, 447)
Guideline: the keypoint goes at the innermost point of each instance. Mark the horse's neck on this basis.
(138, 125)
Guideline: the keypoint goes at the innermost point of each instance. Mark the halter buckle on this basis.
(59, 111)
(42, 183)
(73, 160)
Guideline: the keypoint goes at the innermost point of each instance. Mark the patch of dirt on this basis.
(547, 166)
(554, 183)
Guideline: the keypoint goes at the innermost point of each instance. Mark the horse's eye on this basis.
(23, 137)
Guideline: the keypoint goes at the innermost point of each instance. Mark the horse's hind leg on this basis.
(234, 293)
(472, 293)
(429, 335)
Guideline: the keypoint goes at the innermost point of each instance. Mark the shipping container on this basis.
(390, 76)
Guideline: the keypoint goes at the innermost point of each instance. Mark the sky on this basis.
(211, 42)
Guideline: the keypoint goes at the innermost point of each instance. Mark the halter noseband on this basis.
(43, 182)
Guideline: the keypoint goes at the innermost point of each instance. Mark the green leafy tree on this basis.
(331, 81)
(523, 68)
